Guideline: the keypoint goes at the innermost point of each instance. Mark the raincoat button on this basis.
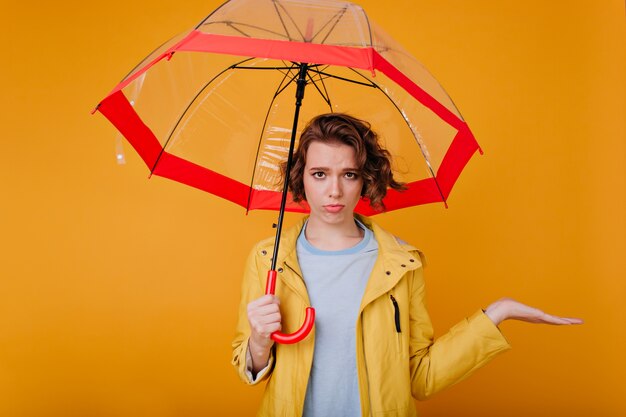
(388, 272)
(280, 270)
(263, 252)
(403, 266)
(412, 260)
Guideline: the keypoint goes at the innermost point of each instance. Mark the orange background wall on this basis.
(118, 294)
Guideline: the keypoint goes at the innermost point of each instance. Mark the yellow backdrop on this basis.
(118, 294)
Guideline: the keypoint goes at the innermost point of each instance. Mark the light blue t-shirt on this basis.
(335, 281)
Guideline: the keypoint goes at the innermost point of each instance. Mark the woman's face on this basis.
(332, 183)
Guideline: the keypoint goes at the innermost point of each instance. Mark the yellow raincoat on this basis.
(393, 367)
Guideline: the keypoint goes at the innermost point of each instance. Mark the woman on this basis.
(372, 349)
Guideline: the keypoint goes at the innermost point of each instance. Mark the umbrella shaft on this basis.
(301, 83)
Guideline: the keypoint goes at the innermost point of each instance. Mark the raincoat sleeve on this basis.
(251, 289)
(437, 364)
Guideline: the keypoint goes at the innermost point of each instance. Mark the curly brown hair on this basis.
(373, 161)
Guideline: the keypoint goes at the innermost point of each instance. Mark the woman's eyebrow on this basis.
(328, 169)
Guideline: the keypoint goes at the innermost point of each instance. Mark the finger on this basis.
(572, 320)
(266, 330)
(258, 322)
(261, 310)
(266, 322)
(271, 319)
(274, 328)
(263, 322)
(265, 310)
(550, 319)
(263, 300)
(269, 299)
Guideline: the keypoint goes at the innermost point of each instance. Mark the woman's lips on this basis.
(334, 208)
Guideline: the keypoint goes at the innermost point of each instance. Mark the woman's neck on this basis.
(332, 237)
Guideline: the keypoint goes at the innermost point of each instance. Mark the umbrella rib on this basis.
(317, 88)
(293, 78)
(267, 115)
(371, 84)
(278, 3)
(263, 68)
(325, 97)
(282, 22)
(147, 56)
(202, 23)
(290, 69)
(369, 28)
(169, 137)
(338, 16)
(326, 91)
(430, 168)
(286, 74)
(232, 24)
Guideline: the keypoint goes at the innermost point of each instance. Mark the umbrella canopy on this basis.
(213, 107)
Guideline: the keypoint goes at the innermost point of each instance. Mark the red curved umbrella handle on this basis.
(309, 319)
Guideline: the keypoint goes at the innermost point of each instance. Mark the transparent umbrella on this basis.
(217, 107)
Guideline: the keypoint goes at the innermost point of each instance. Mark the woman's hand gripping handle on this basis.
(309, 319)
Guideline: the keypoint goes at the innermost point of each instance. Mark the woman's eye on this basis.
(351, 175)
(318, 174)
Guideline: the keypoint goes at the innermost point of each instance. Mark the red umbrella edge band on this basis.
(117, 109)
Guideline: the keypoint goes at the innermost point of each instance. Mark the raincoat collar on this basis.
(395, 258)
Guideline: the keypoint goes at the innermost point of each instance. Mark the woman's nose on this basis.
(335, 188)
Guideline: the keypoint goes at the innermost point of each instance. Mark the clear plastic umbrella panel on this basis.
(217, 107)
